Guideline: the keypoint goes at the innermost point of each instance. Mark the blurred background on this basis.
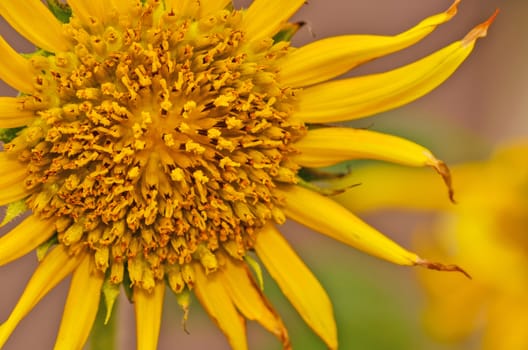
(377, 305)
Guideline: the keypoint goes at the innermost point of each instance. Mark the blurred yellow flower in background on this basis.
(485, 232)
(160, 142)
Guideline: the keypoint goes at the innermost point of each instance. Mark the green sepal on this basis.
(103, 334)
(325, 191)
(255, 266)
(7, 135)
(184, 300)
(13, 211)
(110, 293)
(288, 31)
(43, 249)
(60, 10)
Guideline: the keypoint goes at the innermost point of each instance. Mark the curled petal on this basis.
(213, 296)
(363, 96)
(329, 146)
(249, 299)
(327, 58)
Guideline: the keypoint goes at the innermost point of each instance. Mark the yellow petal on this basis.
(213, 296)
(265, 17)
(87, 11)
(327, 58)
(297, 283)
(51, 271)
(184, 7)
(11, 113)
(15, 70)
(329, 146)
(33, 20)
(123, 6)
(212, 6)
(25, 237)
(384, 186)
(13, 193)
(249, 299)
(148, 307)
(81, 306)
(15, 176)
(338, 223)
(359, 97)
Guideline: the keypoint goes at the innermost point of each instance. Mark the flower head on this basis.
(159, 142)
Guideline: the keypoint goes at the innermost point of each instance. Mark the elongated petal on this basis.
(33, 20)
(123, 6)
(88, 10)
(25, 237)
(16, 175)
(212, 6)
(297, 283)
(51, 271)
(15, 70)
(213, 296)
(148, 307)
(338, 223)
(13, 193)
(328, 146)
(249, 299)
(359, 97)
(385, 186)
(81, 306)
(11, 113)
(184, 7)
(265, 17)
(327, 58)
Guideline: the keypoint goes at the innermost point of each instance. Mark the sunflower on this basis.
(159, 143)
(485, 232)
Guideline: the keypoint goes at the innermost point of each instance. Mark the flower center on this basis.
(160, 141)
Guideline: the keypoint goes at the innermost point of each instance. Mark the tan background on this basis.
(486, 96)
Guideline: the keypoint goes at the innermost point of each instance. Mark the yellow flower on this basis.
(159, 142)
(485, 232)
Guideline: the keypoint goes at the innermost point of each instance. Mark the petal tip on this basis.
(441, 267)
(480, 31)
(443, 170)
(453, 9)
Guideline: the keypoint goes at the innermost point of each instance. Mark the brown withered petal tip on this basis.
(442, 267)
